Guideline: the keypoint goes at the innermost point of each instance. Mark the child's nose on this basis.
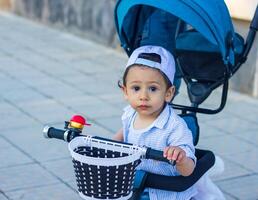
(144, 95)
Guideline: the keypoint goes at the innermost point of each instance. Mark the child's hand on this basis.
(175, 154)
(184, 165)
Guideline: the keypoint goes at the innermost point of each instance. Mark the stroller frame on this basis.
(227, 49)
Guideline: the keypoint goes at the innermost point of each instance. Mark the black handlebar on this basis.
(69, 134)
(66, 135)
(157, 155)
(51, 132)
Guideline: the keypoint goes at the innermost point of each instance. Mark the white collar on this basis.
(163, 117)
(159, 122)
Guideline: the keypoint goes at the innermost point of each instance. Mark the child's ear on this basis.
(123, 88)
(170, 94)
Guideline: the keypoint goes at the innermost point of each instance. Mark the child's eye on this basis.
(153, 88)
(136, 88)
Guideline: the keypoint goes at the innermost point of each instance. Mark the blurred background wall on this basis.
(246, 79)
(90, 18)
(94, 19)
(5, 4)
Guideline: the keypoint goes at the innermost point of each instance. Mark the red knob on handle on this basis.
(78, 121)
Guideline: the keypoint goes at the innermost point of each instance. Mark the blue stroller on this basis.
(208, 52)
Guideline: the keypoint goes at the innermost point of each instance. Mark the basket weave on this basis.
(103, 173)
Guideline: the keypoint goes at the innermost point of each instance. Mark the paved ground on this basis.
(46, 76)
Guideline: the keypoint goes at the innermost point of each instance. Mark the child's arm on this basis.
(184, 164)
(119, 135)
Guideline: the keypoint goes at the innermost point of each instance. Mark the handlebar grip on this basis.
(254, 23)
(157, 155)
(51, 132)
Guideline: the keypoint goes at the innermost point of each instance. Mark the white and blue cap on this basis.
(165, 63)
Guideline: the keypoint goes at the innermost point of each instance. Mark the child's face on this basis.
(146, 90)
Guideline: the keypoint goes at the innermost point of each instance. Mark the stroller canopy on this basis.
(210, 18)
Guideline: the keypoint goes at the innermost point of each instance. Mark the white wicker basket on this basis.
(104, 169)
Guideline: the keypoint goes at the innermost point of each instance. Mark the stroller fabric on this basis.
(201, 15)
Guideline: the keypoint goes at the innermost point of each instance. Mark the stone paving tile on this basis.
(9, 155)
(3, 197)
(225, 145)
(231, 170)
(247, 111)
(204, 118)
(108, 57)
(51, 192)
(6, 108)
(243, 99)
(7, 46)
(8, 113)
(120, 105)
(69, 42)
(233, 125)
(73, 185)
(251, 136)
(43, 80)
(24, 176)
(98, 111)
(10, 83)
(111, 77)
(209, 131)
(47, 66)
(89, 67)
(82, 79)
(229, 197)
(60, 90)
(98, 87)
(250, 116)
(21, 95)
(245, 187)
(23, 70)
(43, 111)
(4, 143)
(60, 68)
(114, 99)
(111, 123)
(247, 160)
(57, 167)
(81, 100)
(36, 59)
(30, 140)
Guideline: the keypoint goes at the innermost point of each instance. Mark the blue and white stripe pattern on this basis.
(167, 130)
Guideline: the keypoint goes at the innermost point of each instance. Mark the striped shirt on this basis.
(167, 130)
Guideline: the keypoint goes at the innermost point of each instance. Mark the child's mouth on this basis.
(143, 107)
